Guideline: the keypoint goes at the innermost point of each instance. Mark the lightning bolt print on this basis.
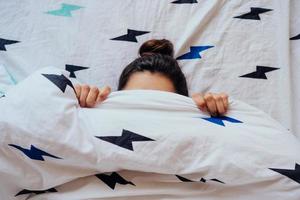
(254, 13)
(113, 179)
(60, 81)
(36, 191)
(194, 52)
(34, 153)
(217, 180)
(185, 1)
(219, 120)
(125, 140)
(293, 174)
(260, 72)
(73, 68)
(297, 37)
(65, 10)
(131, 35)
(4, 42)
(183, 179)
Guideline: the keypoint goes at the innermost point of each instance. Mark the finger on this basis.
(92, 97)
(199, 101)
(77, 91)
(211, 104)
(225, 100)
(84, 93)
(104, 92)
(220, 105)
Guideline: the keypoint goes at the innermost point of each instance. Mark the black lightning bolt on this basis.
(217, 180)
(203, 180)
(184, 1)
(293, 174)
(297, 37)
(125, 140)
(73, 68)
(254, 13)
(36, 191)
(131, 35)
(113, 179)
(34, 153)
(183, 179)
(260, 72)
(4, 42)
(60, 81)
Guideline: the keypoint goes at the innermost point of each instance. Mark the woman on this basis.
(155, 69)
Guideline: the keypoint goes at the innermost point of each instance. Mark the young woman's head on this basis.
(155, 69)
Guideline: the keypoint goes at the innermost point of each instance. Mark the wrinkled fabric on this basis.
(81, 34)
(138, 145)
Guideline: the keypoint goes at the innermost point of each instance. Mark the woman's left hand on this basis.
(215, 104)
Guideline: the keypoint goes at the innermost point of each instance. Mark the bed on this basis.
(248, 49)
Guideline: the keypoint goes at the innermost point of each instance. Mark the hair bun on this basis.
(150, 47)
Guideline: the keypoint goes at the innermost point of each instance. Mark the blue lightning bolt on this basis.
(65, 10)
(194, 52)
(219, 120)
(34, 153)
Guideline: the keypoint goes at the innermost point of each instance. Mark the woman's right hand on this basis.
(90, 96)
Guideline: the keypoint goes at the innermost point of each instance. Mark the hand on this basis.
(90, 96)
(215, 104)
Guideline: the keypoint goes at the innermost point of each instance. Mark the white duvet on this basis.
(138, 145)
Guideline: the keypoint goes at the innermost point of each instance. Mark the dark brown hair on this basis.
(164, 47)
(156, 56)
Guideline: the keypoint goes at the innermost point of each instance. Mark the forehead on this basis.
(150, 80)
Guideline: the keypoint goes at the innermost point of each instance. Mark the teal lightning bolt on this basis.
(65, 10)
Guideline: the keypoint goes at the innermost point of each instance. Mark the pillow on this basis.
(48, 140)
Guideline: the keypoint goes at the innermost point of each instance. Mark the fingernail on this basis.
(214, 114)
